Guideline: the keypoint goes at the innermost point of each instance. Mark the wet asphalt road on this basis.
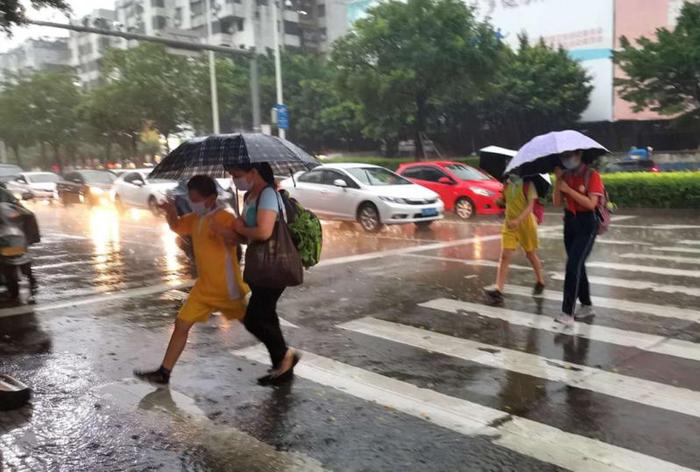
(406, 367)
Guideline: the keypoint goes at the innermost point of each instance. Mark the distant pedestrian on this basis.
(219, 286)
(579, 188)
(519, 230)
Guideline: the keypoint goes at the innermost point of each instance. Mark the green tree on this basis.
(41, 107)
(13, 129)
(405, 56)
(663, 75)
(12, 12)
(537, 89)
(158, 86)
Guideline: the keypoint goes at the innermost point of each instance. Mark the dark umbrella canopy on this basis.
(214, 155)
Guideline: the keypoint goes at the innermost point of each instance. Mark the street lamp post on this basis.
(278, 66)
(212, 72)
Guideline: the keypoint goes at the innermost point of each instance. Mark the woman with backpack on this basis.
(262, 207)
(519, 230)
(580, 189)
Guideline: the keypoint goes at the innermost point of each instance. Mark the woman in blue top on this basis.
(256, 223)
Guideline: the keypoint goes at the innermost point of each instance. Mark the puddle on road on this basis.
(222, 447)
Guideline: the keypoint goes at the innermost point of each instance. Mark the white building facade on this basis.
(34, 55)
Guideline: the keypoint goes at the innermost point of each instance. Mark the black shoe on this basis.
(159, 376)
(283, 378)
(494, 294)
(538, 289)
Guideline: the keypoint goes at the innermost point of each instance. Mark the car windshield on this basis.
(377, 176)
(463, 172)
(97, 177)
(43, 178)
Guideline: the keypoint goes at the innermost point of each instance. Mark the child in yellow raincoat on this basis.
(220, 285)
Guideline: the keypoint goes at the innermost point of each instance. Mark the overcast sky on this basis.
(80, 8)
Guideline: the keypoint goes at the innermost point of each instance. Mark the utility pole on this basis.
(212, 72)
(254, 83)
(281, 132)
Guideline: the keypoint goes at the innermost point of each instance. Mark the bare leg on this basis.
(504, 264)
(177, 343)
(536, 265)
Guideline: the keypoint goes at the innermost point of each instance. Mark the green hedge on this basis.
(652, 190)
(393, 162)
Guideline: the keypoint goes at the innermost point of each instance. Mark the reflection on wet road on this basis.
(406, 368)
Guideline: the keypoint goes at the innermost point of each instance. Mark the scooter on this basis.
(18, 230)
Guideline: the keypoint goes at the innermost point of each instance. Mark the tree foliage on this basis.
(405, 56)
(537, 89)
(13, 13)
(663, 74)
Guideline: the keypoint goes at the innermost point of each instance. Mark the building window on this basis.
(196, 8)
(158, 3)
(321, 11)
(159, 22)
(292, 28)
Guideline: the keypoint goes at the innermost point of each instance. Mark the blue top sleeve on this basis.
(269, 200)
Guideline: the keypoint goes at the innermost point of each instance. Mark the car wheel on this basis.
(423, 225)
(153, 205)
(368, 217)
(464, 208)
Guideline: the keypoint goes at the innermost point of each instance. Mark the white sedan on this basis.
(371, 195)
(135, 189)
(40, 185)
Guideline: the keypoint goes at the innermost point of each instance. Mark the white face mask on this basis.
(242, 183)
(571, 162)
(199, 208)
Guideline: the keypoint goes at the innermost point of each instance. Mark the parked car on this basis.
(465, 190)
(9, 172)
(85, 186)
(371, 195)
(632, 165)
(134, 189)
(38, 185)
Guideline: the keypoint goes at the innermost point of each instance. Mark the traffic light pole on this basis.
(175, 43)
(212, 74)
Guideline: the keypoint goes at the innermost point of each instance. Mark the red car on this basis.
(464, 189)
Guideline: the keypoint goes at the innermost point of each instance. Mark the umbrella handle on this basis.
(291, 172)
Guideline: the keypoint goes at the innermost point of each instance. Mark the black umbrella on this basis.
(214, 155)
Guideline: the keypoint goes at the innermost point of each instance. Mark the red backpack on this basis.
(538, 209)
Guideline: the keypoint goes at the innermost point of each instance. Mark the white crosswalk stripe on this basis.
(621, 337)
(667, 397)
(691, 242)
(689, 250)
(635, 284)
(644, 268)
(527, 437)
(665, 311)
(659, 257)
(616, 242)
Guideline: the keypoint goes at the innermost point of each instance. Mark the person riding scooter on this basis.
(14, 252)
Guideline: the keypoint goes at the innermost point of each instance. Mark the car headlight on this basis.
(96, 191)
(392, 199)
(483, 192)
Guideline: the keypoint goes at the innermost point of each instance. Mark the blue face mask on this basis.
(199, 208)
